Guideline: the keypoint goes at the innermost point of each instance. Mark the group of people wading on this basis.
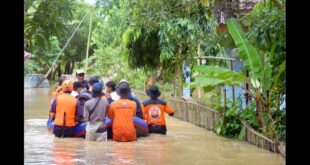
(81, 101)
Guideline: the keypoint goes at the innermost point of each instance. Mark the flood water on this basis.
(184, 143)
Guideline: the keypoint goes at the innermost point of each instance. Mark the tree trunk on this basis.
(54, 71)
(67, 68)
(278, 102)
(266, 104)
(48, 77)
(199, 89)
(59, 71)
(151, 80)
(178, 73)
(72, 66)
(259, 110)
(247, 88)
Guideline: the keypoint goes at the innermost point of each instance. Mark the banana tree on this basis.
(260, 79)
(278, 84)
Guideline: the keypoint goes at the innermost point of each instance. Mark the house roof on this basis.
(233, 9)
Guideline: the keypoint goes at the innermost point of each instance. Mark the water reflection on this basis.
(64, 152)
(126, 153)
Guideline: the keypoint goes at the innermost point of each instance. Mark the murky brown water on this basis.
(184, 143)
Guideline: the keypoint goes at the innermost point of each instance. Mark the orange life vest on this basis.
(65, 104)
(122, 112)
(153, 111)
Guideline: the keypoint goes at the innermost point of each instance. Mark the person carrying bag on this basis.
(95, 111)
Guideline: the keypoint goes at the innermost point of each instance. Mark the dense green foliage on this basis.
(266, 66)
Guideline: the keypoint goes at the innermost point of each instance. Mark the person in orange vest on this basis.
(65, 109)
(131, 96)
(153, 111)
(95, 111)
(122, 112)
(58, 90)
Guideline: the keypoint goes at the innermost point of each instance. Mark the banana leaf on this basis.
(212, 76)
(266, 79)
(247, 52)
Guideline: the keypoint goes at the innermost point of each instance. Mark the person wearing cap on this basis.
(132, 97)
(65, 110)
(90, 83)
(79, 75)
(93, 80)
(121, 112)
(153, 111)
(95, 111)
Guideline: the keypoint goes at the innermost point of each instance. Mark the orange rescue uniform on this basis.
(153, 111)
(122, 112)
